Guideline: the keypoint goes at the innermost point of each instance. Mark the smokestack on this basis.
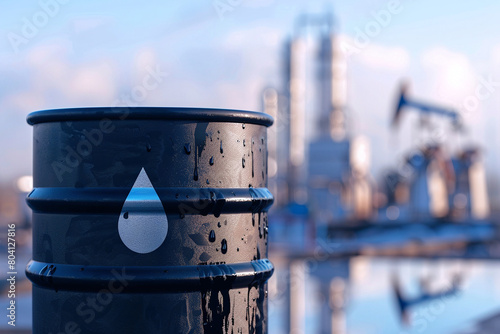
(332, 83)
(297, 114)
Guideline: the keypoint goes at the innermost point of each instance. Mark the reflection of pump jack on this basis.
(404, 304)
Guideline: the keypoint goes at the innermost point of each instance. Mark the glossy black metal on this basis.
(108, 180)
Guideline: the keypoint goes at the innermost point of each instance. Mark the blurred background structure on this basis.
(382, 160)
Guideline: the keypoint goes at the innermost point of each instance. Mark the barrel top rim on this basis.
(149, 113)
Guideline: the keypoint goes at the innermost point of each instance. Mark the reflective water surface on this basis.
(361, 291)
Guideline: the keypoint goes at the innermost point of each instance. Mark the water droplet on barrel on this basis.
(223, 246)
(187, 148)
(211, 236)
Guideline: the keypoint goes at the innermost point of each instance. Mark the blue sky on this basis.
(94, 53)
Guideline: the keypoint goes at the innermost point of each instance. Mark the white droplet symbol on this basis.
(143, 224)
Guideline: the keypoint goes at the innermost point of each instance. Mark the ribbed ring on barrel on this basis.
(175, 200)
(149, 113)
(149, 279)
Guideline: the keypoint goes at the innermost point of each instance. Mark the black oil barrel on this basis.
(149, 220)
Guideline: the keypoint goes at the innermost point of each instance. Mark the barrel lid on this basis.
(149, 113)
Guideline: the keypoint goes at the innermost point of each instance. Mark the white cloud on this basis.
(54, 74)
(26, 101)
(92, 83)
(258, 3)
(376, 56)
(89, 23)
(385, 58)
(145, 57)
(259, 35)
(47, 77)
(450, 75)
(495, 55)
